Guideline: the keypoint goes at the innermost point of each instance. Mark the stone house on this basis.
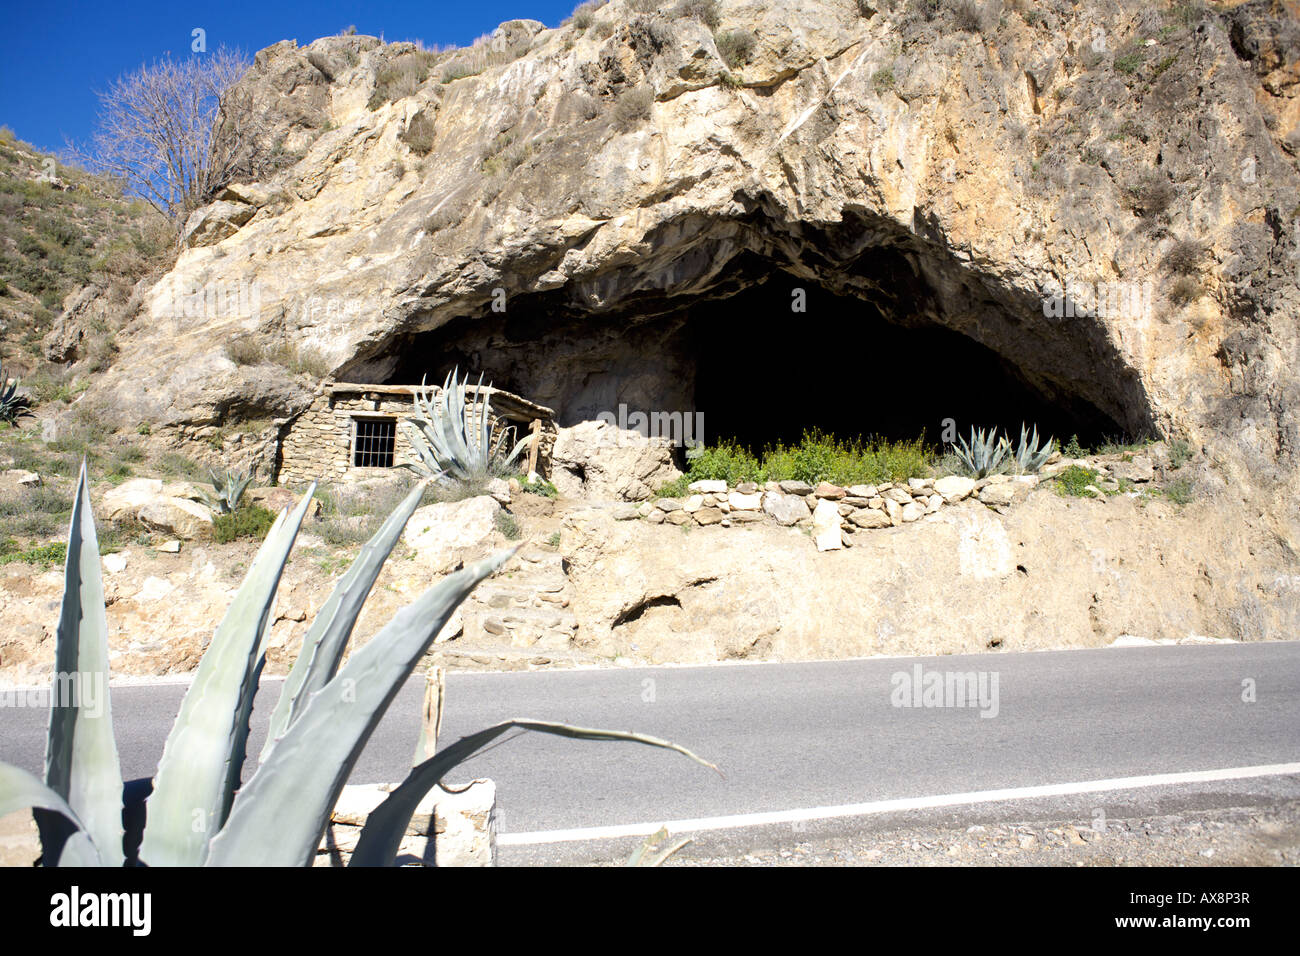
(350, 431)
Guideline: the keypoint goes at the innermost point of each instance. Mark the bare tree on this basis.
(176, 132)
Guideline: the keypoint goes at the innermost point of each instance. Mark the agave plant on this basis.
(12, 405)
(200, 811)
(454, 438)
(983, 455)
(1028, 456)
(230, 487)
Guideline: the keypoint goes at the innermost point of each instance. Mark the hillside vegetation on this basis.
(62, 228)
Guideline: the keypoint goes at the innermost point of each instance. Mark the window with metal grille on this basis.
(372, 443)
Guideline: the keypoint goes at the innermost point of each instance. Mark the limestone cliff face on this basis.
(958, 171)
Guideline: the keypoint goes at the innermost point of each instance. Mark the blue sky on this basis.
(54, 56)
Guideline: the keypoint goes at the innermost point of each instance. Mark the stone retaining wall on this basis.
(835, 514)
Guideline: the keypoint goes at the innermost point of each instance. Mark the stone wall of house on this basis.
(317, 445)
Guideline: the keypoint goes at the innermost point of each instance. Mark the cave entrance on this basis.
(765, 374)
(895, 356)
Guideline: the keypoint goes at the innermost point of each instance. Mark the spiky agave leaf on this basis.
(19, 790)
(382, 835)
(983, 454)
(199, 769)
(281, 813)
(322, 648)
(81, 762)
(12, 405)
(453, 434)
(1029, 457)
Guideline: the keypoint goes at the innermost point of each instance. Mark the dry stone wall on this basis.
(835, 515)
(318, 445)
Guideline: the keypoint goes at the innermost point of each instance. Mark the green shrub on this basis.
(46, 555)
(1180, 450)
(726, 461)
(633, 107)
(968, 16)
(1151, 194)
(817, 457)
(1179, 492)
(883, 79)
(419, 134)
(1075, 480)
(458, 71)
(541, 486)
(736, 47)
(585, 14)
(1184, 258)
(1129, 62)
(706, 11)
(508, 525)
(247, 521)
(1073, 449)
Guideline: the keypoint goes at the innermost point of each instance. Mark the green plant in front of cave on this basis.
(983, 455)
(456, 439)
(200, 810)
(1074, 482)
(1028, 455)
(230, 487)
(12, 405)
(247, 521)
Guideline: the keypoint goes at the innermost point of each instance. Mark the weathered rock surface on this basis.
(441, 534)
(148, 501)
(598, 460)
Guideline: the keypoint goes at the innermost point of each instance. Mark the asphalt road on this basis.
(808, 735)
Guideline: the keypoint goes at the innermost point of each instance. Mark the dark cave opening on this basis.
(843, 368)
(755, 369)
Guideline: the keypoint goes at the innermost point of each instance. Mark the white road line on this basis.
(735, 821)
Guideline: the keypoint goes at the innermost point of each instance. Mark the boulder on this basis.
(125, 501)
(912, 511)
(869, 518)
(597, 460)
(997, 495)
(954, 488)
(1140, 469)
(826, 526)
(214, 222)
(786, 509)
(708, 487)
(442, 534)
(499, 489)
(181, 517)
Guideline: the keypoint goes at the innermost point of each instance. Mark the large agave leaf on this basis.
(280, 815)
(192, 790)
(20, 790)
(382, 834)
(81, 763)
(322, 648)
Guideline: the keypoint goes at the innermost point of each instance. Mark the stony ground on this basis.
(1252, 836)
